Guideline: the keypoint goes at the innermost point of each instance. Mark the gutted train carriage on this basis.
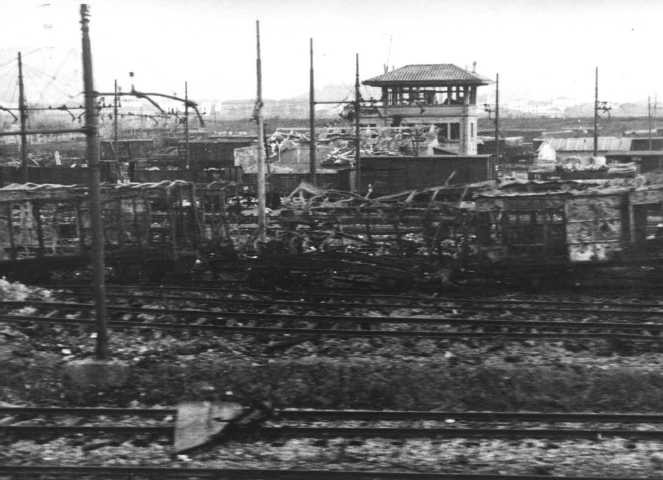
(521, 226)
(575, 224)
(38, 221)
(645, 205)
(216, 219)
(151, 227)
(47, 227)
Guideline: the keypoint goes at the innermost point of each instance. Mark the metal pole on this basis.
(654, 113)
(649, 119)
(92, 136)
(186, 127)
(357, 133)
(23, 117)
(312, 152)
(596, 111)
(497, 119)
(262, 218)
(115, 132)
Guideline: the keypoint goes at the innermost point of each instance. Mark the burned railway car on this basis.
(521, 231)
(343, 240)
(571, 226)
(149, 227)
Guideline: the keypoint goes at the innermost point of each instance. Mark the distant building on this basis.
(583, 146)
(443, 95)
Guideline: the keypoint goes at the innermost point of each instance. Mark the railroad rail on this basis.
(312, 317)
(455, 424)
(404, 301)
(69, 472)
(449, 304)
(358, 414)
(314, 324)
(651, 335)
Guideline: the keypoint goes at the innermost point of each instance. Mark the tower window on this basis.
(442, 134)
(454, 131)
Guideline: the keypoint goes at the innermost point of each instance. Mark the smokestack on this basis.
(474, 66)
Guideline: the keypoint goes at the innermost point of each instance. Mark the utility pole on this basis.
(23, 117)
(596, 111)
(357, 136)
(497, 119)
(187, 155)
(654, 113)
(92, 153)
(115, 132)
(262, 218)
(311, 99)
(649, 120)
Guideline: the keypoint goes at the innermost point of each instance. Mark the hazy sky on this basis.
(542, 49)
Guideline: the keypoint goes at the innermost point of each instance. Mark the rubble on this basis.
(92, 374)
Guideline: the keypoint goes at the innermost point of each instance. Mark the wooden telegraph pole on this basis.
(649, 121)
(497, 119)
(357, 136)
(115, 125)
(92, 153)
(311, 97)
(596, 111)
(23, 114)
(262, 218)
(187, 155)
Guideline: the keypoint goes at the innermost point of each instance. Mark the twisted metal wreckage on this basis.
(495, 232)
(339, 238)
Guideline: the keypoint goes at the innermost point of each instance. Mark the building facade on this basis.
(443, 96)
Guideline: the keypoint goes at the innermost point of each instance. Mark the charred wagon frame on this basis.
(149, 227)
(573, 228)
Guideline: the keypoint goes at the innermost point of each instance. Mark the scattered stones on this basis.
(92, 374)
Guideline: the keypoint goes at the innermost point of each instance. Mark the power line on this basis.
(52, 84)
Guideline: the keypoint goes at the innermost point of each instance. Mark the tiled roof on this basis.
(586, 144)
(427, 75)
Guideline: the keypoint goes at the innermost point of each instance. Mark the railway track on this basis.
(511, 329)
(309, 423)
(231, 322)
(350, 300)
(155, 472)
(453, 319)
